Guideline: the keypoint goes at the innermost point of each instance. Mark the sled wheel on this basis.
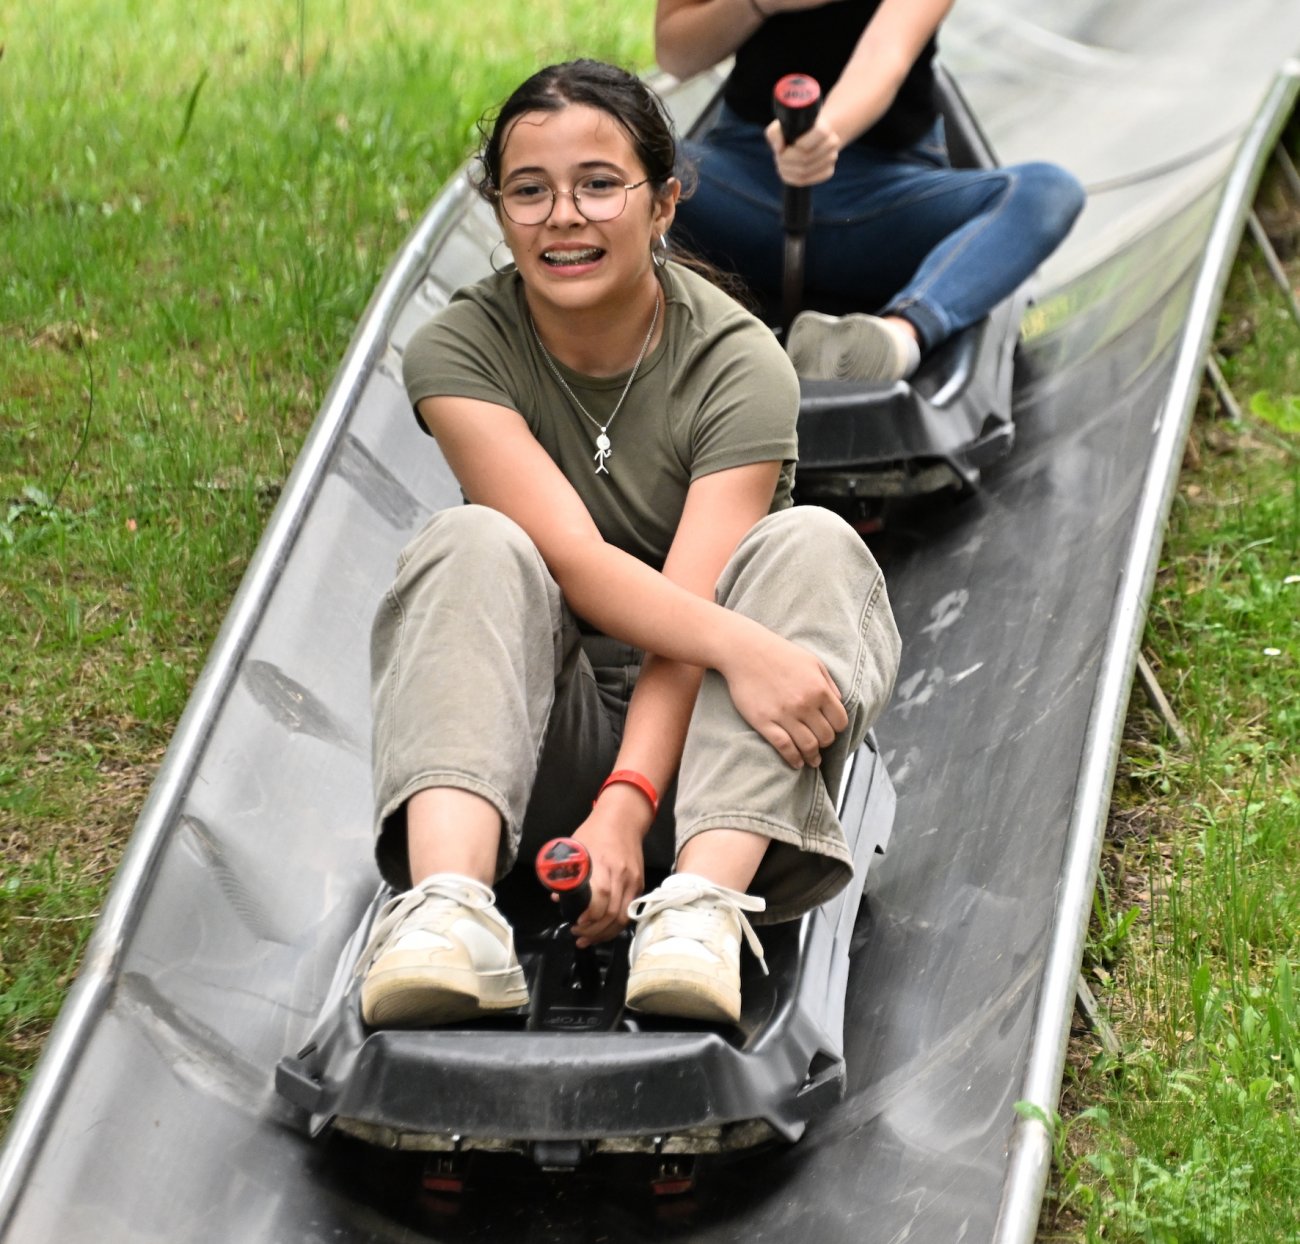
(444, 1175)
(676, 1178)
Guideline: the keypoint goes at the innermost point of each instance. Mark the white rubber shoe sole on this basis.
(848, 347)
(403, 990)
(675, 985)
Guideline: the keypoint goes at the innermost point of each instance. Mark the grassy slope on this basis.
(1192, 1133)
(195, 206)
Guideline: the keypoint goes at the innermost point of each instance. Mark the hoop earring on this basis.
(660, 257)
(492, 259)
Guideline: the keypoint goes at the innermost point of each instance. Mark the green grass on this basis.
(1193, 1133)
(196, 203)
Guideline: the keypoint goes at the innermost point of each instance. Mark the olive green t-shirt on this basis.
(716, 392)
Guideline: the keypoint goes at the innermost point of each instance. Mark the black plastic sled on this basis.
(577, 1075)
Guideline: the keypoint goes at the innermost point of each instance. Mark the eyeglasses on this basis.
(597, 197)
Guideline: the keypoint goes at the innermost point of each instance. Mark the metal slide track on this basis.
(152, 1115)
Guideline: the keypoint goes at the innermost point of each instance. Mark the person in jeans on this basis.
(628, 635)
(895, 229)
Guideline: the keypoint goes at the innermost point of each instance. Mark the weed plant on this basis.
(1192, 1134)
(196, 203)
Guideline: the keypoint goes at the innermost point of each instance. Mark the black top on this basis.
(819, 42)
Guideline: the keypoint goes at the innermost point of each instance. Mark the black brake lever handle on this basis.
(796, 101)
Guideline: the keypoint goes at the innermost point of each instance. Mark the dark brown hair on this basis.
(622, 95)
(626, 98)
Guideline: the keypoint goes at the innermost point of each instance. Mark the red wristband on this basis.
(632, 778)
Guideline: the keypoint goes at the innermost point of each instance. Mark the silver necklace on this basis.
(603, 447)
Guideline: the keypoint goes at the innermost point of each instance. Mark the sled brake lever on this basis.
(796, 100)
(564, 867)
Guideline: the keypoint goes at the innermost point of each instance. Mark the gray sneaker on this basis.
(438, 954)
(685, 957)
(848, 347)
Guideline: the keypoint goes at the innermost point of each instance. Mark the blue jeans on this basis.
(898, 233)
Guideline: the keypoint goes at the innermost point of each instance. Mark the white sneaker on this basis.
(850, 347)
(685, 957)
(437, 954)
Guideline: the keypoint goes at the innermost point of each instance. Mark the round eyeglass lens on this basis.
(600, 198)
(597, 197)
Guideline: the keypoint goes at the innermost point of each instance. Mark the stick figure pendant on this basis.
(603, 449)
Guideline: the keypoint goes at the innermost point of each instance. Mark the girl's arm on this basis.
(694, 35)
(783, 691)
(720, 508)
(882, 59)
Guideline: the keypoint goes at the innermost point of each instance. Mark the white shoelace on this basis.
(672, 903)
(441, 887)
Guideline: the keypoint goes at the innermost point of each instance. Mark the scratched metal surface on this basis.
(153, 1115)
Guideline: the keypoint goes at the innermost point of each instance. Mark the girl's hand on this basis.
(617, 867)
(811, 159)
(787, 695)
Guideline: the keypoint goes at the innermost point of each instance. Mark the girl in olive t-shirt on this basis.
(627, 609)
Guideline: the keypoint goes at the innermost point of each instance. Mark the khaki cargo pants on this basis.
(481, 679)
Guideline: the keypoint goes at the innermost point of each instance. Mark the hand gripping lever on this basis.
(796, 100)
